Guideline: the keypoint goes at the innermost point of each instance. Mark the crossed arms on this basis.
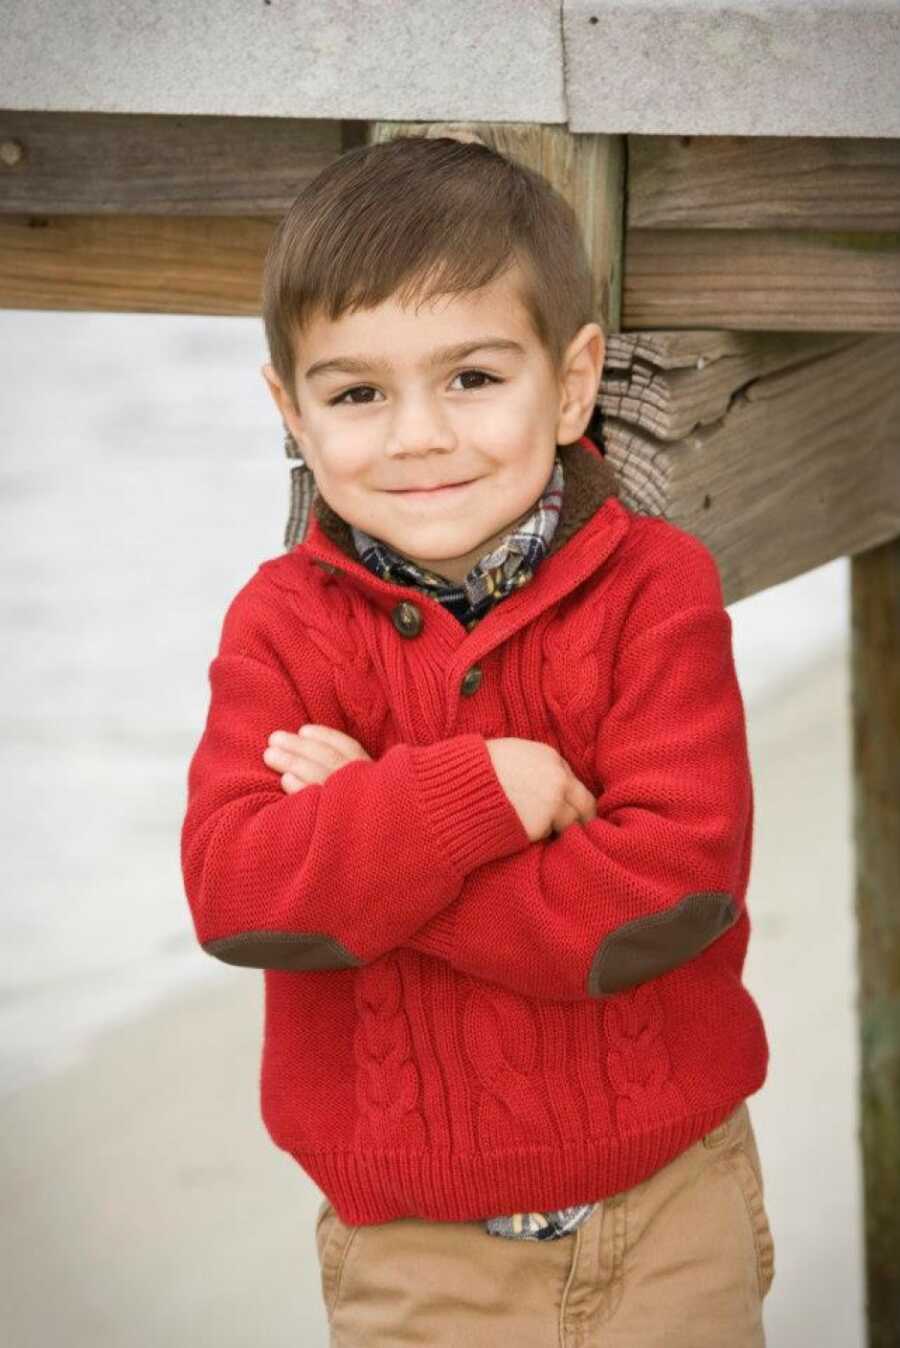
(423, 848)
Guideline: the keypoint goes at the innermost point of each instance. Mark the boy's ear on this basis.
(580, 382)
(282, 401)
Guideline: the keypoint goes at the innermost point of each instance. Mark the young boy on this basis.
(474, 791)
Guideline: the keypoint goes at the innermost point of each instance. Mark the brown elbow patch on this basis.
(652, 945)
(300, 951)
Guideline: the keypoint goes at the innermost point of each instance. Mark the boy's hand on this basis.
(542, 788)
(540, 785)
(310, 756)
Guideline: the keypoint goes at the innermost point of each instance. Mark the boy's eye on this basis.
(473, 379)
(346, 397)
(359, 394)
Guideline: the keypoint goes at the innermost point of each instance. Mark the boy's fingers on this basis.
(305, 772)
(329, 735)
(320, 751)
(581, 799)
(283, 743)
(313, 734)
(310, 756)
(566, 814)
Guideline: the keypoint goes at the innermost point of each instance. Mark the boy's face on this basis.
(406, 413)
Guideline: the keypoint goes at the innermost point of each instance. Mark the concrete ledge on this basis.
(414, 60)
(710, 67)
(705, 67)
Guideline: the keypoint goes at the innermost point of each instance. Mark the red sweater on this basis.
(460, 1021)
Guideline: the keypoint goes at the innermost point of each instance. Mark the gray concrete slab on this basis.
(728, 67)
(706, 67)
(427, 60)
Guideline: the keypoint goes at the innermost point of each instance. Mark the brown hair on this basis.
(421, 216)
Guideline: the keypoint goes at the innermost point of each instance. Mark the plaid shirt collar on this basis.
(505, 568)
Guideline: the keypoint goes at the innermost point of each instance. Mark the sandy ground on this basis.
(144, 1204)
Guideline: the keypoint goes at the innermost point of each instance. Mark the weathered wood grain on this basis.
(780, 452)
(875, 711)
(788, 280)
(88, 163)
(143, 264)
(763, 182)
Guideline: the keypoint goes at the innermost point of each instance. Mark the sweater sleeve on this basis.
(661, 871)
(341, 871)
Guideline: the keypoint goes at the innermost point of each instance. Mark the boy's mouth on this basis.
(431, 491)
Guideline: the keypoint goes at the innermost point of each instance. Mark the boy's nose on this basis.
(417, 426)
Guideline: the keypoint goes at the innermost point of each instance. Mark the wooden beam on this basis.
(779, 451)
(213, 265)
(767, 280)
(58, 163)
(181, 226)
(144, 264)
(875, 691)
(587, 170)
(763, 182)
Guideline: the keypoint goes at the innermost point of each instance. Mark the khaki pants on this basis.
(682, 1260)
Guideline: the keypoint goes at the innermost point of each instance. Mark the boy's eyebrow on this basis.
(442, 356)
(345, 365)
(447, 355)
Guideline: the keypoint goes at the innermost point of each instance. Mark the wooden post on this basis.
(875, 683)
(589, 171)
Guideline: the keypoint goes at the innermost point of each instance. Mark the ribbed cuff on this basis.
(461, 796)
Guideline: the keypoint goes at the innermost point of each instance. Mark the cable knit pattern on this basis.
(388, 1087)
(460, 1021)
(501, 1042)
(637, 1060)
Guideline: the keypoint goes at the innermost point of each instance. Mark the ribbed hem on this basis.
(461, 796)
(373, 1187)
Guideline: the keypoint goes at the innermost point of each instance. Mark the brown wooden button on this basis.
(407, 619)
(472, 681)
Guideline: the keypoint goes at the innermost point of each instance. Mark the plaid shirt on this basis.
(498, 573)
